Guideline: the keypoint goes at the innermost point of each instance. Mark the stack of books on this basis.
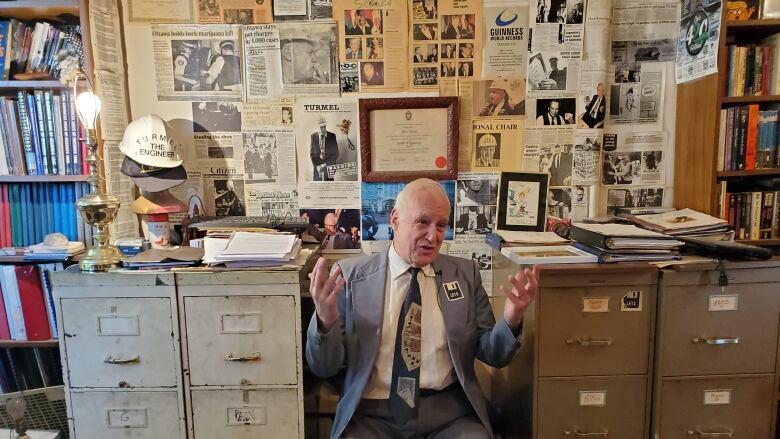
(251, 249)
(624, 242)
(685, 223)
(507, 238)
(43, 252)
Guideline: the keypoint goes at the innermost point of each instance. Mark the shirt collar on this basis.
(399, 266)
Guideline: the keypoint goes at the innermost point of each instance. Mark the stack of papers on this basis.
(548, 254)
(251, 249)
(531, 238)
(685, 223)
(624, 242)
(60, 252)
(159, 258)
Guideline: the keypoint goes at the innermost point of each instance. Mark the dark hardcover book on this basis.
(30, 158)
(749, 71)
(742, 137)
(727, 163)
(51, 135)
(43, 135)
(35, 137)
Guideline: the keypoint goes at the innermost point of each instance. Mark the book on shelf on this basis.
(748, 138)
(32, 47)
(753, 215)
(752, 70)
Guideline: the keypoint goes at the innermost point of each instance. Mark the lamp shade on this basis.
(88, 107)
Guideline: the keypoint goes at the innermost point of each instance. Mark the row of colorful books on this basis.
(28, 312)
(30, 211)
(753, 70)
(34, 46)
(41, 134)
(748, 138)
(752, 215)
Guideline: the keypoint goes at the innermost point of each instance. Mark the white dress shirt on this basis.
(436, 370)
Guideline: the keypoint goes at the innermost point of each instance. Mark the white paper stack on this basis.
(250, 249)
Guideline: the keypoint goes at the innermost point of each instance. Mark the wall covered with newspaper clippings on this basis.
(579, 89)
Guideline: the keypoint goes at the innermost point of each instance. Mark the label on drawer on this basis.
(117, 324)
(593, 398)
(241, 323)
(723, 302)
(126, 418)
(595, 304)
(254, 415)
(632, 301)
(717, 397)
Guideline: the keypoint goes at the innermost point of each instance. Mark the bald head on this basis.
(419, 221)
(415, 188)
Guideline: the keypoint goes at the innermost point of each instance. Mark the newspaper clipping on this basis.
(551, 111)
(196, 63)
(191, 194)
(326, 132)
(277, 202)
(375, 38)
(587, 149)
(637, 97)
(475, 211)
(233, 11)
(499, 97)
(309, 58)
(697, 44)
(495, 141)
(273, 112)
(378, 200)
(634, 159)
(550, 151)
(506, 40)
(290, 10)
(338, 230)
(446, 40)
(349, 77)
(320, 9)
(481, 254)
(580, 203)
(262, 61)
(556, 48)
(224, 190)
(635, 197)
(269, 155)
(160, 11)
(596, 41)
(592, 100)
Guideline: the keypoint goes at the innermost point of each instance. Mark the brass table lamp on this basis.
(98, 209)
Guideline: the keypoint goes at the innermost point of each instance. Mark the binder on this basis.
(36, 322)
(13, 304)
(5, 332)
(617, 236)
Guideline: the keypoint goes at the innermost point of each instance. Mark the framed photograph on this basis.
(522, 201)
(407, 138)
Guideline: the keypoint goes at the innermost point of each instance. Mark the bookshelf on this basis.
(699, 106)
(7, 344)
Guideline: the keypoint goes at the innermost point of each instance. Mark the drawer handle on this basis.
(254, 356)
(716, 340)
(119, 360)
(579, 433)
(589, 343)
(728, 432)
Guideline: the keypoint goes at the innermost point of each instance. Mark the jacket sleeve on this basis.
(497, 344)
(314, 151)
(325, 353)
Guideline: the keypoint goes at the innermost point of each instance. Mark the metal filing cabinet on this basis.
(585, 368)
(717, 350)
(241, 349)
(119, 342)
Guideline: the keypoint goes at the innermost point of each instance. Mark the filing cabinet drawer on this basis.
(245, 414)
(119, 342)
(612, 407)
(733, 407)
(708, 331)
(241, 340)
(121, 415)
(595, 330)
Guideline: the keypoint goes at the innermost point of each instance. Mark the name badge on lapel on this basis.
(453, 291)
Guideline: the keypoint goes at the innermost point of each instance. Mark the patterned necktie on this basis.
(405, 385)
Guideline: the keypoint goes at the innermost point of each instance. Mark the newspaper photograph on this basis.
(378, 200)
(476, 196)
(320, 9)
(327, 136)
(278, 202)
(309, 58)
(592, 101)
(559, 202)
(376, 38)
(580, 203)
(234, 11)
(349, 77)
(553, 74)
(635, 197)
(268, 112)
(697, 44)
(499, 97)
(481, 254)
(161, 11)
(550, 151)
(495, 141)
(212, 117)
(197, 63)
(634, 158)
(269, 156)
(551, 111)
(262, 61)
(220, 148)
(506, 40)
(338, 230)
(191, 194)
(634, 52)
(224, 190)
(445, 41)
(639, 99)
(587, 154)
(558, 26)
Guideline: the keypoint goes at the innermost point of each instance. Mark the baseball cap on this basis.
(151, 141)
(150, 203)
(153, 178)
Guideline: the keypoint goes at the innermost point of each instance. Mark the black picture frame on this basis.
(535, 187)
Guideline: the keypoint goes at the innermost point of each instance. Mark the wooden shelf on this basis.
(760, 242)
(42, 178)
(38, 9)
(768, 172)
(753, 30)
(752, 24)
(750, 99)
(13, 85)
(29, 344)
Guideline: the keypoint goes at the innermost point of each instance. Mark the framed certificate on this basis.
(406, 138)
(522, 201)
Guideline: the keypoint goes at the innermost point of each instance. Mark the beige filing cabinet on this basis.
(717, 348)
(120, 355)
(236, 370)
(585, 368)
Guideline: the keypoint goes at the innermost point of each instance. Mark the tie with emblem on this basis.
(405, 385)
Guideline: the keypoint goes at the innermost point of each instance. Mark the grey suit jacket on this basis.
(469, 323)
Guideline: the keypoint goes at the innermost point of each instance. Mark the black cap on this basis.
(153, 178)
